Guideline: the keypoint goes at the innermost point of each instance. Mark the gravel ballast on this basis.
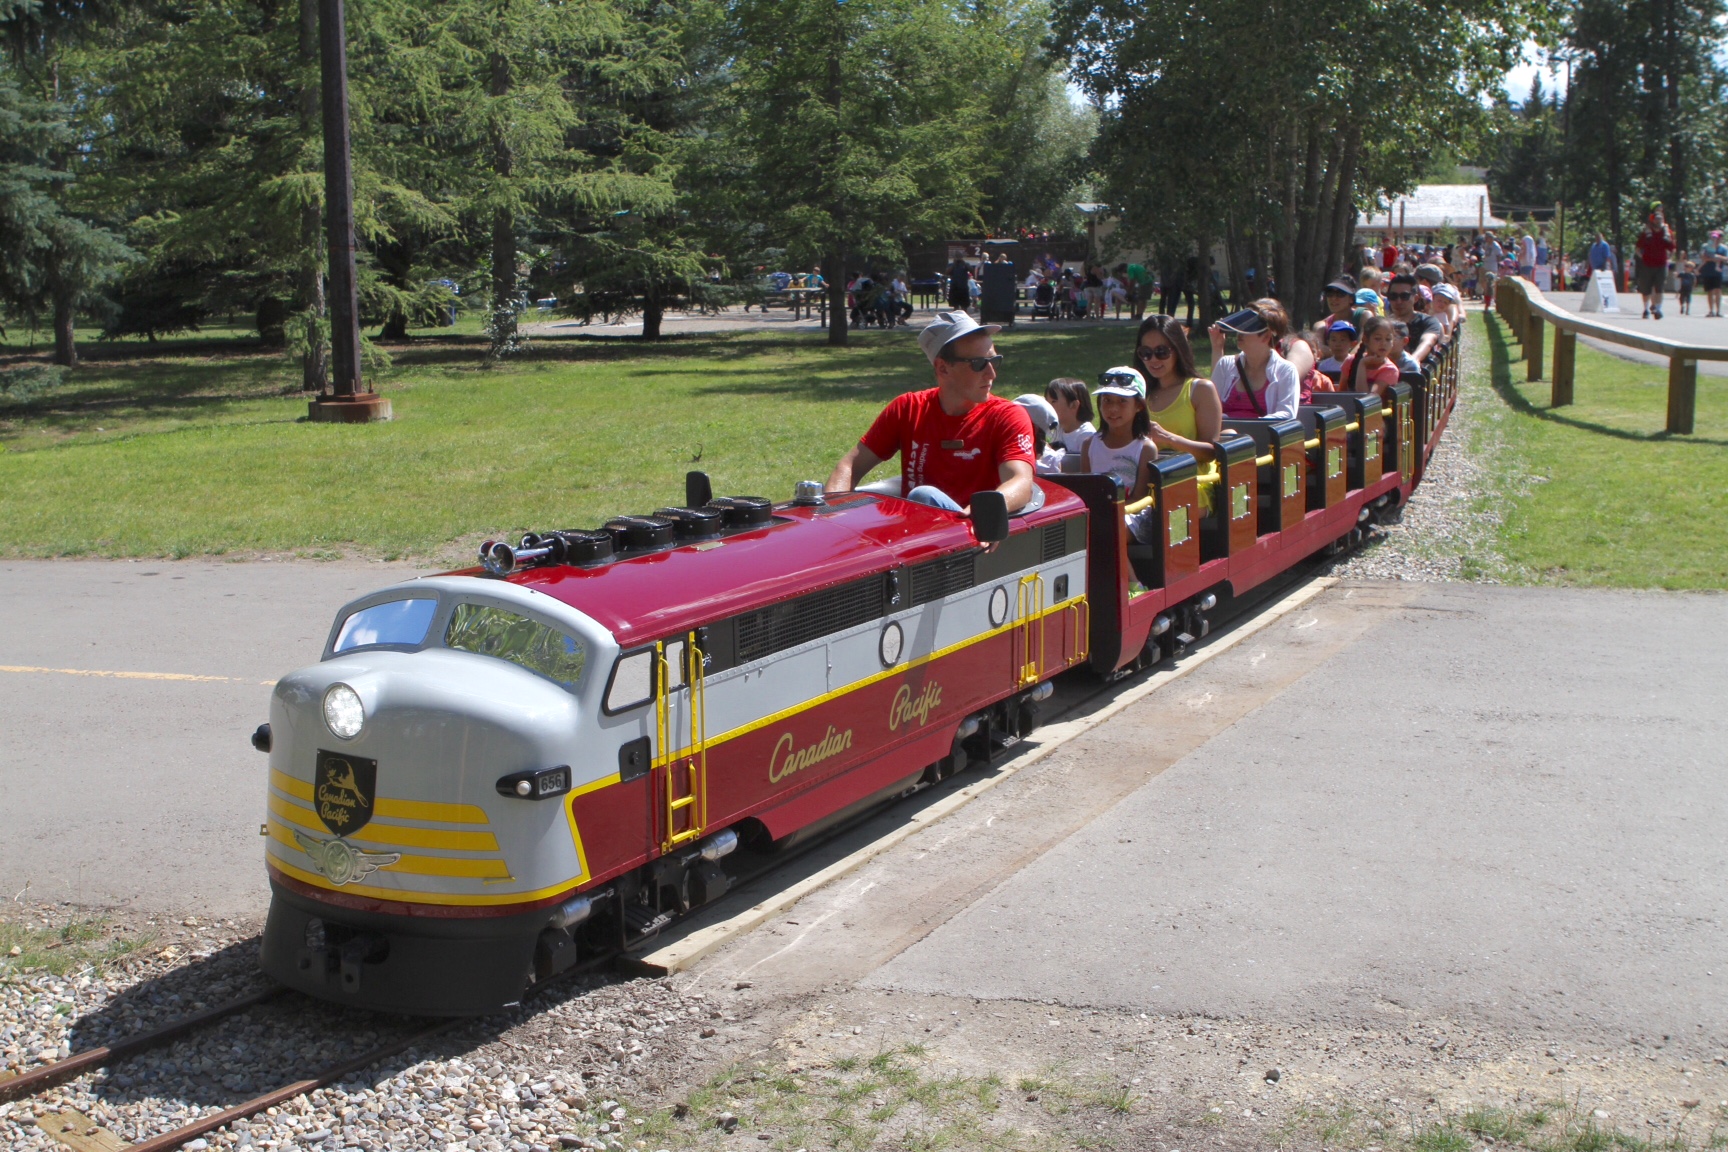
(1447, 531)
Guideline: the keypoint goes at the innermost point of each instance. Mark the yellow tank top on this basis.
(1179, 416)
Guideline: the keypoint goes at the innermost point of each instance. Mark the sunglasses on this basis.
(1162, 352)
(1400, 295)
(976, 363)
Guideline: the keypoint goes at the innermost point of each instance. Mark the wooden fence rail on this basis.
(1525, 310)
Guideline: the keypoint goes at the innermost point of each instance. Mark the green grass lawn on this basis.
(1598, 493)
(194, 447)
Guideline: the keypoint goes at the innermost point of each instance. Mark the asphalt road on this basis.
(144, 792)
(1696, 328)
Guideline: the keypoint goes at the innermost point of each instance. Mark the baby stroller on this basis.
(1044, 301)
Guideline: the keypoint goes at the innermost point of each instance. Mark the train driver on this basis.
(956, 438)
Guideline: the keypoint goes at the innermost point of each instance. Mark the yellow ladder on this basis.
(687, 772)
(1031, 614)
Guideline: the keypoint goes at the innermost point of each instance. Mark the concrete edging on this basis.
(682, 953)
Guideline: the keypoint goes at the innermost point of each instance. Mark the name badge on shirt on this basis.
(956, 445)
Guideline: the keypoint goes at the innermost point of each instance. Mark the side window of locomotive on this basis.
(632, 681)
(396, 623)
(490, 631)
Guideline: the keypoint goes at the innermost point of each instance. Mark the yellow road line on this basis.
(134, 675)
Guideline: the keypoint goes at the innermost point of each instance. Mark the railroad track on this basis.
(81, 1133)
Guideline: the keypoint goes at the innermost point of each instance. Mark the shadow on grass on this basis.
(1500, 353)
(189, 378)
(154, 389)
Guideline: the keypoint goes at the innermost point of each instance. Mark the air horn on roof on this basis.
(500, 559)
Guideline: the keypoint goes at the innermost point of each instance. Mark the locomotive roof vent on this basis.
(584, 546)
(693, 523)
(809, 494)
(744, 511)
(636, 533)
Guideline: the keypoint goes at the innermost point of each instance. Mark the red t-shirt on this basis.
(1653, 249)
(958, 454)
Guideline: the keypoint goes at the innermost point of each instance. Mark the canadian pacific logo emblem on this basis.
(787, 758)
(344, 787)
(908, 708)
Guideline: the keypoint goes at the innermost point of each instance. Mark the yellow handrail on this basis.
(1314, 443)
(1140, 505)
(1265, 461)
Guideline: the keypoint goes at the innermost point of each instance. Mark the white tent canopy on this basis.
(1434, 208)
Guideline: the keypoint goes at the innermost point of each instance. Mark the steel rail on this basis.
(48, 1075)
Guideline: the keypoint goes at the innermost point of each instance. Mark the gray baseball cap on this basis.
(947, 328)
(1039, 410)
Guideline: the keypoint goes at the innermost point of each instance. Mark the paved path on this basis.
(1693, 329)
(735, 319)
(1529, 839)
(144, 791)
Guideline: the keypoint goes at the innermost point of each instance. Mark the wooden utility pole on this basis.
(349, 402)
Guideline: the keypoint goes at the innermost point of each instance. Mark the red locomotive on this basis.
(494, 773)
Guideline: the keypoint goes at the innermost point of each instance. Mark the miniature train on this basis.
(494, 774)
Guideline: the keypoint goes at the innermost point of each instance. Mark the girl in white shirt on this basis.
(1073, 411)
(1125, 446)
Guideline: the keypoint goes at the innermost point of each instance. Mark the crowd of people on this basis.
(958, 438)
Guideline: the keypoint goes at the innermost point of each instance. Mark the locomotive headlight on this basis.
(344, 715)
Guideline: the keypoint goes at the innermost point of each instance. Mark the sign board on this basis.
(1599, 296)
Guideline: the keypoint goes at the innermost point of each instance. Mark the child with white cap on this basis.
(1125, 447)
(1046, 430)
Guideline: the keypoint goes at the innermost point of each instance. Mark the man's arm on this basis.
(853, 467)
(1016, 486)
(1426, 347)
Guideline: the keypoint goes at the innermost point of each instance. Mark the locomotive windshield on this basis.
(491, 631)
(398, 622)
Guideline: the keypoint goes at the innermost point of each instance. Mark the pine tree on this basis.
(52, 263)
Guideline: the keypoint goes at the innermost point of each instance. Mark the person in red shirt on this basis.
(1655, 246)
(955, 439)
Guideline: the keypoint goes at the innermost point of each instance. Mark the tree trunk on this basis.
(834, 267)
(65, 337)
(1614, 189)
(395, 259)
(1203, 286)
(653, 312)
(1671, 68)
(309, 286)
(836, 261)
(1303, 288)
(1284, 260)
(504, 326)
(1342, 233)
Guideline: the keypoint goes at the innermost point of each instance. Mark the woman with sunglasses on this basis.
(1186, 414)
